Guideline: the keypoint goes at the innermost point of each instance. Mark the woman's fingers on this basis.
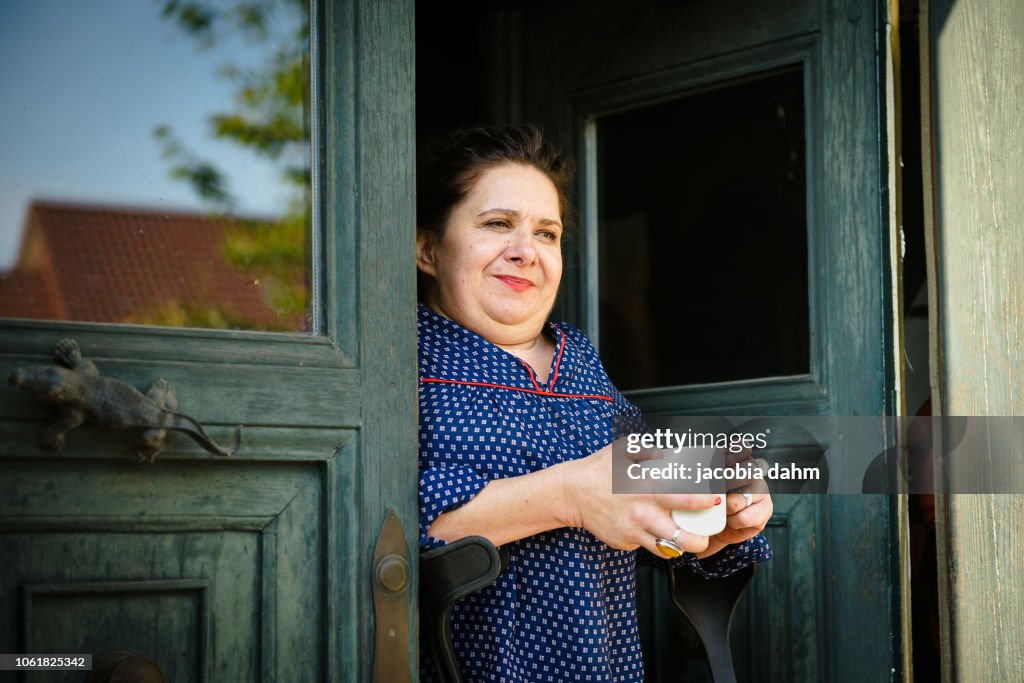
(735, 502)
(687, 501)
(758, 486)
(655, 530)
(672, 543)
(755, 515)
(733, 536)
(740, 497)
(646, 454)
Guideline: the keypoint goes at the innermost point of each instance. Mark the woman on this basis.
(516, 426)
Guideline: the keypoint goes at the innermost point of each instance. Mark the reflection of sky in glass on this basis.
(83, 86)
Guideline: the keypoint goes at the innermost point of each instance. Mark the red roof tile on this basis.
(115, 264)
(24, 294)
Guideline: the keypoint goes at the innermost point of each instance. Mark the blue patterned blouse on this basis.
(565, 609)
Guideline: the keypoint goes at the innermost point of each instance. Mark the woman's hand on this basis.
(743, 521)
(578, 493)
(626, 521)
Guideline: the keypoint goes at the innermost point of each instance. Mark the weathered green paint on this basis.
(101, 552)
(827, 609)
(255, 567)
(973, 103)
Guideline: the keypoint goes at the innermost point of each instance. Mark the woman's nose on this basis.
(520, 248)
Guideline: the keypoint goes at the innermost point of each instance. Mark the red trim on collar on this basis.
(558, 361)
(529, 371)
(539, 392)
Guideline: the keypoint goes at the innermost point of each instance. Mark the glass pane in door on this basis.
(155, 162)
(702, 233)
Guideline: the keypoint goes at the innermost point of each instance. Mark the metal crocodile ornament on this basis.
(82, 394)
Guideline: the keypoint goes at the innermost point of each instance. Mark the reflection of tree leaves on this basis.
(206, 180)
(270, 99)
(300, 175)
(283, 297)
(270, 136)
(194, 17)
(176, 313)
(270, 102)
(276, 245)
(277, 251)
(252, 17)
(270, 105)
(202, 19)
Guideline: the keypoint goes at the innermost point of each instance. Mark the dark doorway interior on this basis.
(449, 65)
(924, 596)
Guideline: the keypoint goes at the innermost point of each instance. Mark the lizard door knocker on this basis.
(76, 386)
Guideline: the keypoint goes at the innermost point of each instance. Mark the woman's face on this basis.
(499, 262)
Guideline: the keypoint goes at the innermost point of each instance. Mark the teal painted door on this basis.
(255, 566)
(624, 86)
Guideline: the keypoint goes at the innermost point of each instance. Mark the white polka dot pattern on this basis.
(565, 609)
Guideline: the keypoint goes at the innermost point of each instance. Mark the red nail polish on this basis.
(718, 500)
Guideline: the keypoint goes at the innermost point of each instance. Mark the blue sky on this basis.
(83, 86)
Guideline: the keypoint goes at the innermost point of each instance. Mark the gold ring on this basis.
(668, 548)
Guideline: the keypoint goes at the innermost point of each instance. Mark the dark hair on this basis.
(447, 177)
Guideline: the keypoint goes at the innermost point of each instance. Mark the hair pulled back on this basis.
(448, 177)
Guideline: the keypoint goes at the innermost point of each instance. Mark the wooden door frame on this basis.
(368, 118)
(971, 161)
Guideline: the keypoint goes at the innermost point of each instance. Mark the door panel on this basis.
(255, 566)
(792, 638)
(786, 650)
(185, 566)
(835, 568)
(166, 618)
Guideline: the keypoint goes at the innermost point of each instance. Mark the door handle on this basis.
(391, 578)
(75, 385)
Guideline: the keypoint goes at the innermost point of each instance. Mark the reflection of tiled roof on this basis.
(111, 264)
(26, 294)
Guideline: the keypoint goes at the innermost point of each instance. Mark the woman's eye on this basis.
(548, 235)
(498, 223)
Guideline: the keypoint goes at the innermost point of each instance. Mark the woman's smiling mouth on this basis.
(517, 283)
